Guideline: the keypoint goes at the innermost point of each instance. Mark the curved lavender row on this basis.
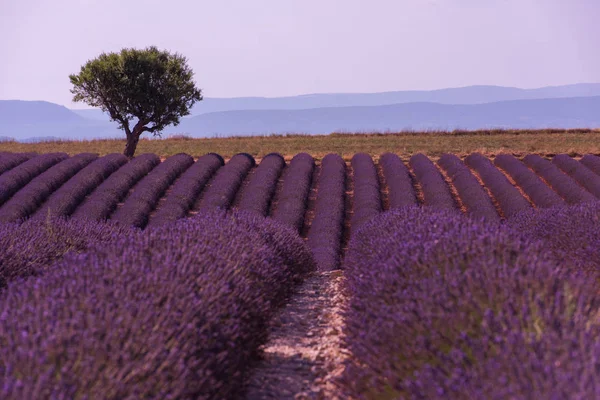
(541, 195)
(571, 233)
(28, 199)
(509, 198)
(579, 172)
(562, 183)
(367, 197)
(262, 185)
(398, 180)
(30, 249)
(186, 189)
(16, 178)
(10, 160)
(325, 234)
(226, 182)
(473, 195)
(66, 199)
(592, 162)
(124, 320)
(435, 190)
(291, 205)
(101, 203)
(149, 190)
(446, 307)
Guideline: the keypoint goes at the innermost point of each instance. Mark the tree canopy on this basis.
(152, 86)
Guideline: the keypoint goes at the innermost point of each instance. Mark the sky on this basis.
(288, 47)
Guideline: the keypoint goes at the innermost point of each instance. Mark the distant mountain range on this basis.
(465, 95)
(475, 107)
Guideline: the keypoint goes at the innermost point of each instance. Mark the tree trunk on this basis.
(132, 141)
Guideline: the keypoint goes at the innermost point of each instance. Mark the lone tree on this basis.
(153, 86)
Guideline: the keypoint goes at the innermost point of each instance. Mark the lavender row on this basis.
(16, 178)
(540, 194)
(226, 182)
(571, 233)
(367, 196)
(10, 160)
(101, 203)
(435, 190)
(292, 200)
(509, 198)
(325, 234)
(398, 180)
(149, 190)
(562, 183)
(65, 200)
(443, 306)
(186, 189)
(473, 195)
(592, 162)
(30, 249)
(27, 200)
(125, 321)
(579, 172)
(261, 187)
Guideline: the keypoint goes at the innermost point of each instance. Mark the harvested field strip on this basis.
(405, 144)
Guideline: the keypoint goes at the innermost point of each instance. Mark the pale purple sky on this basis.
(288, 47)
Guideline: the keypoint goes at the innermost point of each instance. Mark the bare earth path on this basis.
(303, 354)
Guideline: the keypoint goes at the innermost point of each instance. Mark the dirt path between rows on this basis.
(304, 352)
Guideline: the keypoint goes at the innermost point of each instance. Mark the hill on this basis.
(576, 112)
(465, 95)
(521, 114)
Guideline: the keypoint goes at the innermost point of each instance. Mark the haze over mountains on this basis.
(474, 107)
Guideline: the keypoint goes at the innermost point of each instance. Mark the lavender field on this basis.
(463, 278)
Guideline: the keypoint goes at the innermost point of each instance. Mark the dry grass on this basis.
(433, 144)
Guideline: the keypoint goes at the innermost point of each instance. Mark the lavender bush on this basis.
(562, 183)
(509, 198)
(540, 194)
(367, 198)
(435, 190)
(64, 200)
(325, 234)
(150, 189)
(10, 160)
(31, 248)
(33, 195)
(257, 195)
(579, 172)
(100, 204)
(592, 162)
(13, 180)
(473, 195)
(226, 183)
(398, 180)
(571, 233)
(291, 204)
(186, 189)
(179, 311)
(442, 306)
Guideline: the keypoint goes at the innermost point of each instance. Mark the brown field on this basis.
(432, 144)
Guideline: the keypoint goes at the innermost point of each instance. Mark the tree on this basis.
(153, 86)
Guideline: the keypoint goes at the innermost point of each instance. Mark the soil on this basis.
(304, 354)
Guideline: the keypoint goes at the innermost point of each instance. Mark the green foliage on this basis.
(154, 86)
